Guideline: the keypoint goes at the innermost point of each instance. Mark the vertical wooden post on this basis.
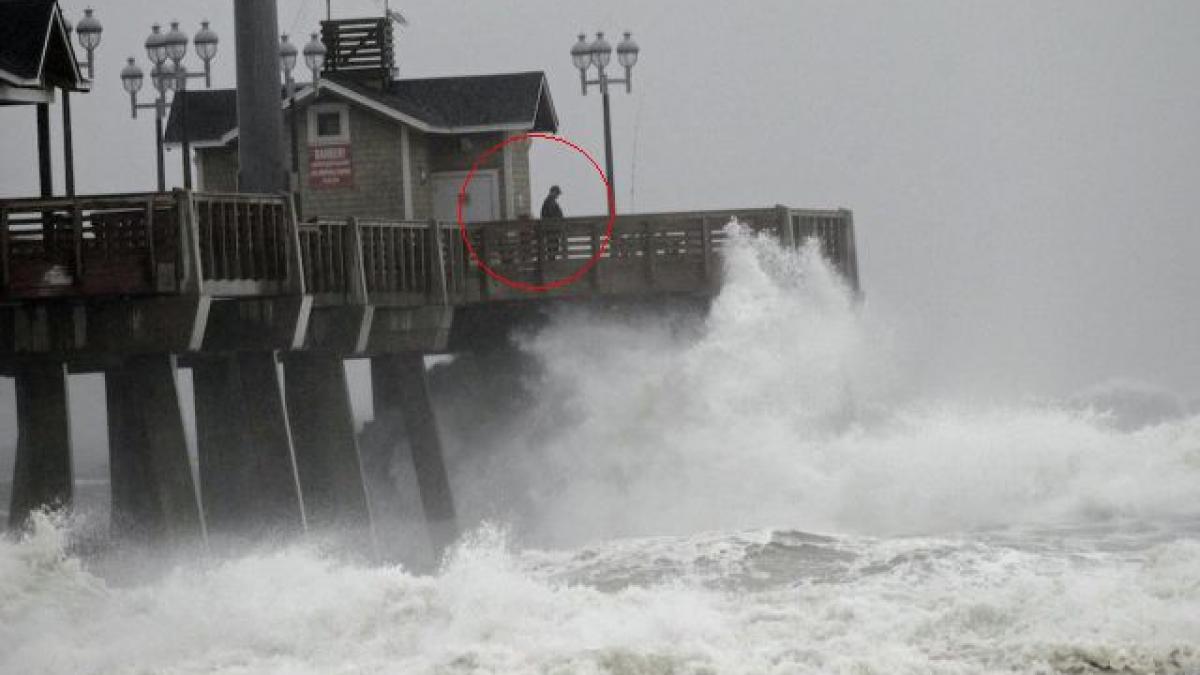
(649, 250)
(851, 269)
(68, 144)
(192, 272)
(481, 252)
(438, 292)
(356, 274)
(77, 241)
(148, 222)
(597, 238)
(4, 253)
(45, 173)
(787, 233)
(295, 268)
(541, 243)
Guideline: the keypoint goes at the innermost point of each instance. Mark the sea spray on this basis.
(779, 408)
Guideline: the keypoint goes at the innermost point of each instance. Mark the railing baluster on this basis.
(648, 250)
(77, 227)
(483, 252)
(5, 260)
(149, 218)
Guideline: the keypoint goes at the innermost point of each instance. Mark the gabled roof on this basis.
(35, 48)
(442, 105)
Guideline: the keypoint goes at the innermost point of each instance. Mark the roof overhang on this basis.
(12, 95)
(349, 94)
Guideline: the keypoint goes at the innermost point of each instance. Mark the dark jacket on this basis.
(550, 208)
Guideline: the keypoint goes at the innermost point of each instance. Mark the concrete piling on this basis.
(154, 493)
(328, 462)
(42, 475)
(248, 477)
(402, 403)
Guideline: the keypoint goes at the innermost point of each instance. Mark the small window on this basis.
(328, 123)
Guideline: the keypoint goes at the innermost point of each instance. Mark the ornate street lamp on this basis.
(88, 32)
(166, 52)
(314, 58)
(132, 78)
(598, 53)
(206, 48)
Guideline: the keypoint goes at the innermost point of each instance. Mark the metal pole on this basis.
(294, 183)
(260, 126)
(158, 144)
(187, 145)
(43, 139)
(68, 146)
(608, 151)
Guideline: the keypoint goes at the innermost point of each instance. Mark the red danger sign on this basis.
(330, 167)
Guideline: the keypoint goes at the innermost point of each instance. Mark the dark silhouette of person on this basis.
(550, 207)
(553, 241)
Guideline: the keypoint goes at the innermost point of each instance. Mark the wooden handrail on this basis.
(227, 244)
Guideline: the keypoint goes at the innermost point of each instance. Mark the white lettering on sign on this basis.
(330, 167)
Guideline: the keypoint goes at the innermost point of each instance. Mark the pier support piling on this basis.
(402, 402)
(247, 464)
(326, 446)
(153, 492)
(42, 473)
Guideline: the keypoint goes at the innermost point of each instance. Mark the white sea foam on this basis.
(753, 603)
(1048, 540)
(780, 410)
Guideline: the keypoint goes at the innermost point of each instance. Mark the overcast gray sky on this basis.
(1022, 173)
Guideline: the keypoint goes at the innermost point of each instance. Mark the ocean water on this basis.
(751, 491)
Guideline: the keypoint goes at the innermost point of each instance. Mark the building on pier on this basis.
(397, 149)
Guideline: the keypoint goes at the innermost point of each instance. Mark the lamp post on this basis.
(89, 30)
(88, 33)
(166, 52)
(287, 61)
(314, 58)
(598, 53)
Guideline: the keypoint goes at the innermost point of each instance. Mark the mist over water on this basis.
(749, 490)
(781, 408)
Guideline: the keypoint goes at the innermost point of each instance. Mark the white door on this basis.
(483, 196)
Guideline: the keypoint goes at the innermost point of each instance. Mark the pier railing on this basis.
(247, 243)
(375, 261)
(674, 252)
(237, 245)
(112, 244)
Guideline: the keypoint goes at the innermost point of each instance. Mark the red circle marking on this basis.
(557, 283)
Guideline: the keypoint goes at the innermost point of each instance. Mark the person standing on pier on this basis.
(550, 208)
(554, 242)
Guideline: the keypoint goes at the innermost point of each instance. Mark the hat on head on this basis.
(555, 190)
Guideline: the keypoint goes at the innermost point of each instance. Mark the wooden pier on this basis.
(232, 286)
